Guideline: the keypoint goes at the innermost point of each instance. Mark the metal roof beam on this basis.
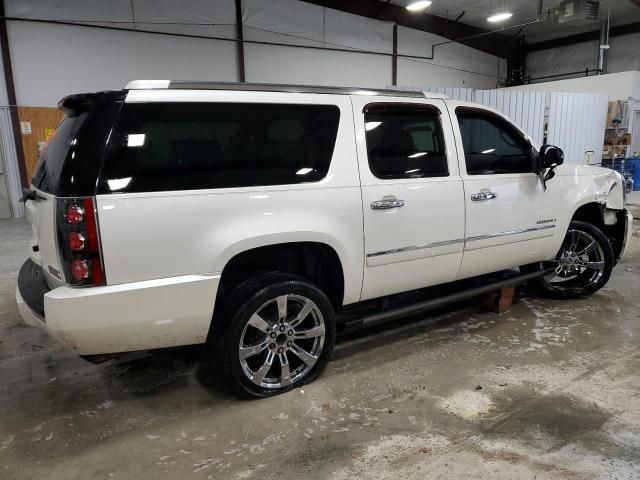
(493, 44)
(582, 37)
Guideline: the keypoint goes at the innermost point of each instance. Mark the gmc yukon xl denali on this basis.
(261, 219)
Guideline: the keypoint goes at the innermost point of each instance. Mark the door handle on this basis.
(482, 196)
(386, 204)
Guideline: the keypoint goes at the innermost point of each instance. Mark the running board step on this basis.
(433, 303)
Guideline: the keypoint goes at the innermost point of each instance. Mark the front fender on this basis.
(583, 184)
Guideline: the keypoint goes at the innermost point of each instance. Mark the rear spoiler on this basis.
(74, 105)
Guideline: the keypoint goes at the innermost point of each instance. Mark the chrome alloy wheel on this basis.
(282, 341)
(580, 262)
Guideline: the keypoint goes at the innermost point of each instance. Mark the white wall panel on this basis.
(618, 86)
(171, 16)
(526, 109)
(300, 23)
(4, 100)
(576, 124)
(11, 172)
(463, 94)
(419, 72)
(51, 61)
(284, 21)
(357, 32)
(156, 15)
(571, 58)
(452, 55)
(96, 12)
(623, 56)
(315, 67)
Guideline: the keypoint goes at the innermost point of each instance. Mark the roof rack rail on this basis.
(272, 87)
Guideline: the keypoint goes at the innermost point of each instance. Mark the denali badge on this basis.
(54, 272)
(548, 220)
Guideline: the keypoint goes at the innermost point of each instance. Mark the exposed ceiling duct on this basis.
(578, 12)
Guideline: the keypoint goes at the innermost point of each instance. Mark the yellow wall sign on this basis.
(48, 133)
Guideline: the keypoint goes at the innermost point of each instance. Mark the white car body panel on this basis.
(160, 313)
(164, 252)
(517, 227)
(329, 212)
(41, 216)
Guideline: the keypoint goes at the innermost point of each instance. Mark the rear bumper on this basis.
(144, 315)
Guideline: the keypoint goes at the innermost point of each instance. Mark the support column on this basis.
(11, 96)
(394, 58)
(240, 41)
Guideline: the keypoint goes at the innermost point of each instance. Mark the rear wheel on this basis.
(583, 264)
(280, 334)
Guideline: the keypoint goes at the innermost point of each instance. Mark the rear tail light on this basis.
(74, 214)
(79, 242)
(79, 269)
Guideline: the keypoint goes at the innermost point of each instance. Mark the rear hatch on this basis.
(68, 168)
(41, 208)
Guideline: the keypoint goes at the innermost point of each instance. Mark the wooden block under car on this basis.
(501, 300)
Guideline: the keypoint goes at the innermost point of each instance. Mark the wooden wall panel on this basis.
(42, 121)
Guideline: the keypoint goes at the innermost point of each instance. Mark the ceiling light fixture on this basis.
(418, 6)
(500, 17)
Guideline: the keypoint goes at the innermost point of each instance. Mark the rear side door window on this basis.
(491, 144)
(186, 146)
(405, 141)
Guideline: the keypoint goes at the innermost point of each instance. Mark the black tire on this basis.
(569, 280)
(236, 324)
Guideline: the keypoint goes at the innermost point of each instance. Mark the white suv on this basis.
(261, 219)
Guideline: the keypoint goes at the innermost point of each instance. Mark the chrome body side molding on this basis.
(511, 232)
(462, 240)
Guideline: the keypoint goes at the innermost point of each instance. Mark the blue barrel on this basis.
(634, 164)
(630, 168)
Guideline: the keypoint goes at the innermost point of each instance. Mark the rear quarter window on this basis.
(188, 146)
(52, 160)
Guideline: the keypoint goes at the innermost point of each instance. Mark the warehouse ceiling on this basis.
(623, 12)
(456, 19)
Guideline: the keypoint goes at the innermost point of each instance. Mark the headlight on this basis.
(623, 185)
(624, 189)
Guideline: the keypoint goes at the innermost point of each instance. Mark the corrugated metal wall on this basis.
(455, 93)
(526, 109)
(576, 124)
(462, 94)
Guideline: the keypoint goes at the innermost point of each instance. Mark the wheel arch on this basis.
(594, 213)
(316, 261)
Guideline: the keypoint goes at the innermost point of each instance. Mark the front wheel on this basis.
(280, 334)
(582, 267)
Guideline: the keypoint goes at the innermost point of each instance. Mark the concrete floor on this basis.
(547, 391)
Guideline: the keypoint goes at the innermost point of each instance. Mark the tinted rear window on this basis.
(52, 160)
(183, 146)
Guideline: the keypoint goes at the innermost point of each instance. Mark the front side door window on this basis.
(491, 144)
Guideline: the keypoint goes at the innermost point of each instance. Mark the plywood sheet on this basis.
(42, 121)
